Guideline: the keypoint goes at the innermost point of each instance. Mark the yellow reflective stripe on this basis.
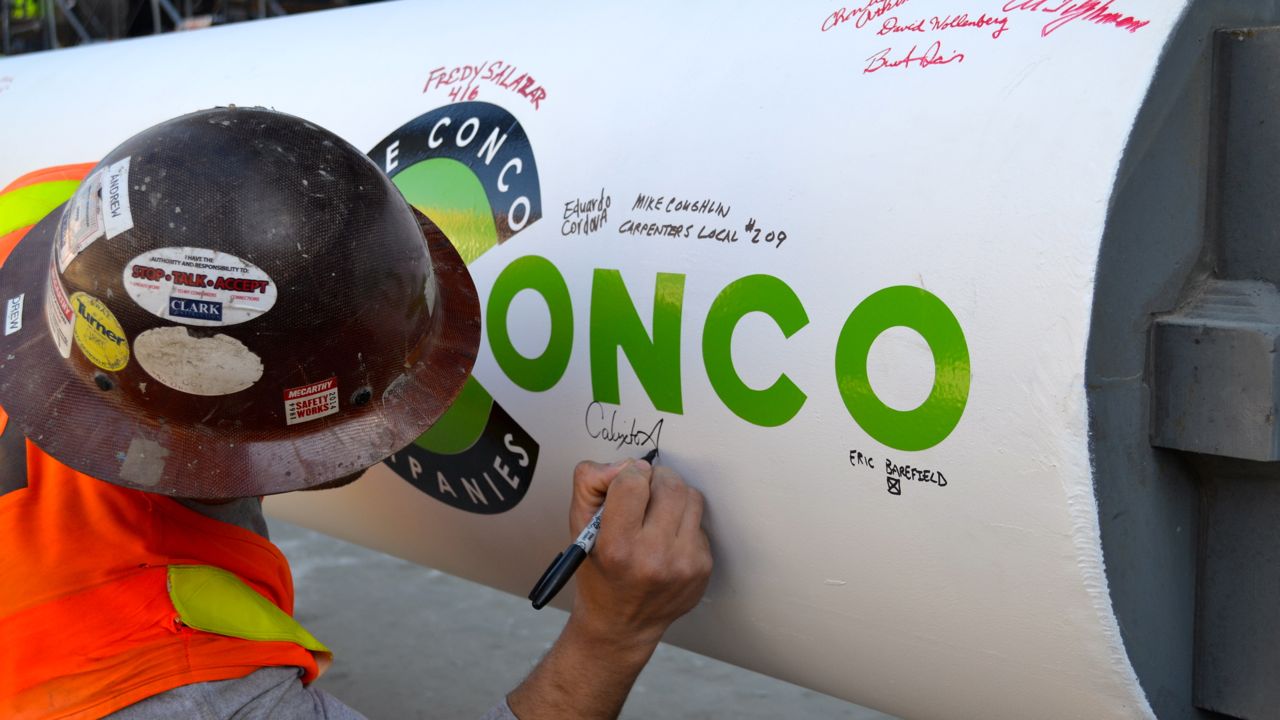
(216, 601)
(26, 9)
(28, 205)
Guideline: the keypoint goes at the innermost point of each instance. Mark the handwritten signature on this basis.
(1098, 12)
(892, 25)
(933, 55)
(609, 433)
(860, 15)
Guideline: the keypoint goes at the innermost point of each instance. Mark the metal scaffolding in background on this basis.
(33, 25)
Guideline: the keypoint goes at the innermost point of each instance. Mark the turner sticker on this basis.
(98, 334)
(309, 402)
(57, 313)
(82, 222)
(195, 286)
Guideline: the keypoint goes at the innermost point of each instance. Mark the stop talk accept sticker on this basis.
(196, 286)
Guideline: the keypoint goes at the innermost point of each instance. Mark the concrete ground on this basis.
(446, 649)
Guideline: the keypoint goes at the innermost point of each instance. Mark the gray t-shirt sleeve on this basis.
(500, 712)
(274, 693)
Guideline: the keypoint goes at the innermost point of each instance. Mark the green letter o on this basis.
(536, 273)
(922, 311)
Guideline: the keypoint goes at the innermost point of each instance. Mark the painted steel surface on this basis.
(836, 262)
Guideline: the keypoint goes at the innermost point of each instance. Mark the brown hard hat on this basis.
(236, 302)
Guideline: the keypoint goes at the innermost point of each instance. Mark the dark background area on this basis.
(35, 25)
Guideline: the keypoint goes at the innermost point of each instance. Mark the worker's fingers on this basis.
(591, 482)
(667, 498)
(691, 521)
(692, 539)
(625, 503)
(643, 573)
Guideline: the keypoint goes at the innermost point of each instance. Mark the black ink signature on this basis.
(607, 433)
(932, 56)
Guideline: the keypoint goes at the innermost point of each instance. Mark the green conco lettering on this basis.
(536, 273)
(922, 311)
(615, 324)
(779, 402)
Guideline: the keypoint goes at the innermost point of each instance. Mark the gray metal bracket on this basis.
(1217, 372)
(1214, 366)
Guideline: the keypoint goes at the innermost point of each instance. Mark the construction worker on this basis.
(238, 303)
(21, 10)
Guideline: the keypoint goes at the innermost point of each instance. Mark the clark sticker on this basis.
(98, 334)
(195, 286)
(308, 402)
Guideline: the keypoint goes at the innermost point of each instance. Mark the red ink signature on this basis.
(950, 22)
(463, 81)
(1098, 12)
(932, 56)
(892, 25)
(862, 14)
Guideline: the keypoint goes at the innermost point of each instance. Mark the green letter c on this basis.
(779, 402)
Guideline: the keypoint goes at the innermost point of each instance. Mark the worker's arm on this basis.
(650, 565)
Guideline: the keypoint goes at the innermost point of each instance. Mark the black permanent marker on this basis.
(563, 567)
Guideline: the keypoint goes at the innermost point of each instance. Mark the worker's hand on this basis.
(651, 561)
(649, 566)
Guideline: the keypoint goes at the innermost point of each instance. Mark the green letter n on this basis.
(616, 325)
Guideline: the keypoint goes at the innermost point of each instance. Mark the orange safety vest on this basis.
(87, 625)
(89, 616)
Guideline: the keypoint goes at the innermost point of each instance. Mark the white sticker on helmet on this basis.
(195, 286)
(144, 462)
(81, 222)
(13, 315)
(57, 312)
(430, 291)
(116, 214)
(218, 365)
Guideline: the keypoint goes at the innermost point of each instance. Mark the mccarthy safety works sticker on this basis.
(195, 286)
(308, 402)
(57, 313)
(98, 334)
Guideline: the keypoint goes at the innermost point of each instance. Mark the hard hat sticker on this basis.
(308, 402)
(195, 286)
(13, 315)
(82, 221)
(218, 365)
(116, 215)
(98, 334)
(57, 312)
